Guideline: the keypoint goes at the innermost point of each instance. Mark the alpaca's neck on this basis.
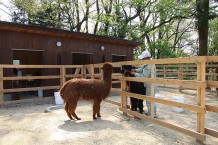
(107, 78)
(107, 81)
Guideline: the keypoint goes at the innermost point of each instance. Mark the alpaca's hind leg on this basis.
(96, 108)
(68, 111)
(72, 108)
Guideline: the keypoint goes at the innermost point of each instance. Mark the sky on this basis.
(4, 12)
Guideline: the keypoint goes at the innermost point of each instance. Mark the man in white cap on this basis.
(145, 71)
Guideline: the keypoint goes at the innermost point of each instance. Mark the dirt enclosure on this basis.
(27, 125)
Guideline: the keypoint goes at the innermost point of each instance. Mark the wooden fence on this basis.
(200, 83)
(188, 72)
(93, 71)
(62, 76)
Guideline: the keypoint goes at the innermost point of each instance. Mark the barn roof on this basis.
(9, 26)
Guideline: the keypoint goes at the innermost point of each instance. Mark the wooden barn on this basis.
(35, 45)
(40, 45)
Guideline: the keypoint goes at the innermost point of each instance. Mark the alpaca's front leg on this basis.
(96, 108)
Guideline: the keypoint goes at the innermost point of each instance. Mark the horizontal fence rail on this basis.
(193, 72)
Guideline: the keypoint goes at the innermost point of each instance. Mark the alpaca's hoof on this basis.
(78, 118)
(99, 115)
(94, 118)
(70, 117)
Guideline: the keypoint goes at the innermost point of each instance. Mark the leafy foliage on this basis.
(213, 37)
(167, 28)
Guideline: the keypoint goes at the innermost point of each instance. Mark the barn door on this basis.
(118, 58)
(82, 58)
(66, 59)
(6, 59)
(29, 57)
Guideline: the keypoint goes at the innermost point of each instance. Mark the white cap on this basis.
(144, 55)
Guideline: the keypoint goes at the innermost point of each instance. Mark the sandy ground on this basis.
(29, 125)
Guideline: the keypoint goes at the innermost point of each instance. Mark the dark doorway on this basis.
(82, 58)
(29, 57)
(118, 58)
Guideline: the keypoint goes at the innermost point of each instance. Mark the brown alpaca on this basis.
(87, 89)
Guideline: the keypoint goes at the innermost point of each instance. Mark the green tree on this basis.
(205, 11)
(165, 27)
(213, 37)
(23, 11)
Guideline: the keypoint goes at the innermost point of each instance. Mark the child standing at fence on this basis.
(145, 71)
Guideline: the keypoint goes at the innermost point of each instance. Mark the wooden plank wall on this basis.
(34, 42)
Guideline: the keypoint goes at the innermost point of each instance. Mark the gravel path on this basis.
(27, 125)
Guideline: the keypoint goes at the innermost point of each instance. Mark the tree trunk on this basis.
(202, 7)
(98, 17)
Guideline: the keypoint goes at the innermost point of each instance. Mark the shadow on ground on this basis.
(92, 125)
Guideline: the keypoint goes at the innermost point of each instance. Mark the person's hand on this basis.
(133, 70)
(132, 73)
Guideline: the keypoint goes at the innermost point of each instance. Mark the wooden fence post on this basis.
(1, 89)
(101, 73)
(152, 90)
(62, 73)
(83, 71)
(201, 70)
(92, 71)
(180, 75)
(164, 74)
(216, 72)
(77, 71)
(123, 97)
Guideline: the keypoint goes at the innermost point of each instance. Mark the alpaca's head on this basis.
(107, 68)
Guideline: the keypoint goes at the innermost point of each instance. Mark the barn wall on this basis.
(15, 40)
(10, 40)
